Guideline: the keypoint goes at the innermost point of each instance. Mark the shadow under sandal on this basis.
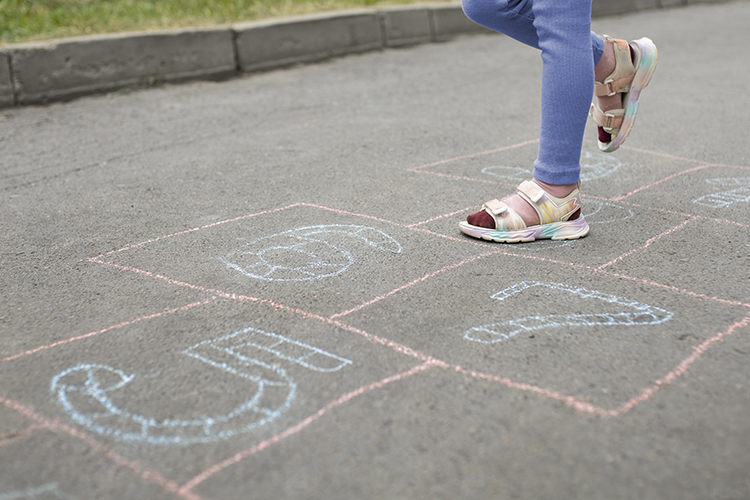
(631, 75)
(560, 218)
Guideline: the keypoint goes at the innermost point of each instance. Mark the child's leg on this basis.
(564, 30)
(561, 29)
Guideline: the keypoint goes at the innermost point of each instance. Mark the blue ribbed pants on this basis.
(561, 29)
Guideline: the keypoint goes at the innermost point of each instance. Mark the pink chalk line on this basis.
(569, 400)
(474, 207)
(464, 178)
(190, 485)
(683, 291)
(690, 160)
(57, 427)
(465, 240)
(409, 285)
(195, 229)
(304, 314)
(648, 186)
(647, 393)
(344, 212)
(104, 330)
(663, 155)
(671, 212)
(505, 148)
(683, 367)
(648, 243)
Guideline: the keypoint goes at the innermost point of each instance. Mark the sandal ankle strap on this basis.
(550, 208)
(622, 77)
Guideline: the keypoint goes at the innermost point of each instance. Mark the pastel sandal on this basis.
(554, 216)
(630, 77)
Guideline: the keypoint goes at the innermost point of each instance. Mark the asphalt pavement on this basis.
(257, 288)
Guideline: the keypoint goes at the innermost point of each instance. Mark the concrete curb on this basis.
(270, 44)
(35, 73)
(63, 69)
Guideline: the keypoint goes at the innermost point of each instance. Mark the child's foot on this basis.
(537, 211)
(622, 73)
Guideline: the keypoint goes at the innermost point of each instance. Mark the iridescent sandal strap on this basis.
(531, 191)
(622, 77)
(533, 194)
(506, 218)
(549, 208)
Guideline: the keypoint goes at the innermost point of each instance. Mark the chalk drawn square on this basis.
(550, 330)
(603, 175)
(719, 192)
(48, 465)
(702, 256)
(313, 258)
(207, 382)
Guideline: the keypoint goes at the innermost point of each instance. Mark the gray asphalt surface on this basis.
(257, 288)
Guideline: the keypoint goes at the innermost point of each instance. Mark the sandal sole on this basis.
(567, 230)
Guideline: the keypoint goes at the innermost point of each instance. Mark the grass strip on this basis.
(32, 20)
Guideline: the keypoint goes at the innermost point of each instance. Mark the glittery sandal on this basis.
(554, 216)
(630, 77)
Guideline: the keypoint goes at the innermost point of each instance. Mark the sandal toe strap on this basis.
(506, 219)
(622, 77)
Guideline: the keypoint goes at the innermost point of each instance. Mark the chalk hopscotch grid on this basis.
(568, 400)
(404, 349)
(331, 320)
(428, 361)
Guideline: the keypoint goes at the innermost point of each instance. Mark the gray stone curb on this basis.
(271, 44)
(62, 69)
(42, 72)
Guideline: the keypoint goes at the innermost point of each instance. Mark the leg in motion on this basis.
(548, 206)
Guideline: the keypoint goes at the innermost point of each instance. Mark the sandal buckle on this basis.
(608, 83)
(610, 117)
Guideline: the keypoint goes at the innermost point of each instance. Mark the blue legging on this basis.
(561, 29)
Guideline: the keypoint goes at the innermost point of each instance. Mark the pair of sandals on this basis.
(560, 218)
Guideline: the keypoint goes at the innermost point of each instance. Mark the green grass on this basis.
(30, 20)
